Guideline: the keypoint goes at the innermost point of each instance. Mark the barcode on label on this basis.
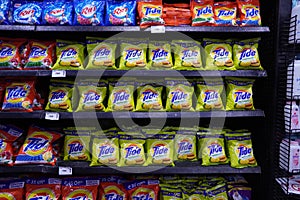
(51, 116)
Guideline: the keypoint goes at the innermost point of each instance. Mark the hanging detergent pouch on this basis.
(225, 13)
(58, 12)
(132, 149)
(160, 55)
(79, 188)
(133, 54)
(121, 95)
(148, 189)
(70, 55)
(185, 146)
(209, 92)
(249, 11)
(202, 13)
(150, 13)
(170, 194)
(218, 55)
(12, 189)
(89, 12)
(101, 53)
(43, 188)
(120, 12)
(239, 94)
(10, 54)
(27, 12)
(187, 55)
(245, 54)
(76, 147)
(4, 11)
(179, 95)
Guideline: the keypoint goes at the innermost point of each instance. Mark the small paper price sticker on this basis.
(52, 116)
(65, 171)
(158, 29)
(59, 73)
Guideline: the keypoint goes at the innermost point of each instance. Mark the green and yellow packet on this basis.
(132, 150)
(194, 195)
(149, 96)
(60, 96)
(105, 150)
(218, 192)
(212, 148)
(185, 146)
(187, 55)
(101, 53)
(179, 95)
(245, 55)
(209, 92)
(240, 150)
(133, 54)
(121, 95)
(70, 55)
(160, 147)
(160, 55)
(218, 55)
(239, 94)
(170, 194)
(91, 94)
(76, 147)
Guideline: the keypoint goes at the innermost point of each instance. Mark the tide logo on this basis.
(241, 95)
(80, 194)
(215, 149)
(88, 11)
(251, 12)
(184, 146)
(26, 13)
(38, 51)
(159, 53)
(149, 95)
(2, 146)
(75, 147)
(133, 54)
(57, 12)
(220, 52)
(144, 194)
(120, 12)
(57, 95)
(160, 150)
(6, 51)
(41, 194)
(247, 53)
(106, 150)
(210, 96)
(91, 97)
(189, 54)
(37, 143)
(102, 52)
(7, 196)
(132, 151)
(203, 11)
(113, 193)
(226, 13)
(68, 53)
(120, 96)
(152, 10)
(17, 93)
(243, 151)
(178, 95)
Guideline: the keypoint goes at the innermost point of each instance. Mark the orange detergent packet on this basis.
(80, 188)
(225, 13)
(202, 13)
(10, 54)
(37, 148)
(150, 13)
(19, 95)
(143, 189)
(43, 188)
(40, 55)
(249, 13)
(113, 190)
(11, 189)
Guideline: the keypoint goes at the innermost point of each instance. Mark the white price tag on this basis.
(65, 171)
(52, 116)
(158, 29)
(59, 73)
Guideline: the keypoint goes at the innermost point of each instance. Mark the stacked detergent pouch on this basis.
(57, 12)
(27, 12)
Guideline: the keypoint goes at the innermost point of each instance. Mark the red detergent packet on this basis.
(112, 188)
(43, 188)
(79, 188)
(225, 13)
(249, 13)
(38, 102)
(19, 95)
(2, 92)
(202, 13)
(37, 148)
(11, 189)
(150, 13)
(143, 189)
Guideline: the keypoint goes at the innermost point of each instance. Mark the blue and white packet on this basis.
(4, 11)
(89, 12)
(58, 12)
(120, 12)
(27, 12)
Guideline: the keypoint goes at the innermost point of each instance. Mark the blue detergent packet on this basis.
(27, 12)
(58, 12)
(120, 12)
(89, 12)
(4, 11)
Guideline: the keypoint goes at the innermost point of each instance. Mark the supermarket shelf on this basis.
(86, 28)
(17, 28)
(21, 115)
(27, 169)
(137, 73)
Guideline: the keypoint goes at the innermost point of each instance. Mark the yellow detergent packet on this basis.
(245, 54)
(212, 148)
(160, 55)
(240, 149)
(187, 55)
(132, 149)
(70, 55)
(101, 53)
(239, 94)
(185, 146)
(209, 92)
(76, 147)
(170, 193)
(105, 150)
(179, 95)
(149, 96)
(121, 95)
(133, 54)
(217, 192)
(60, 96)
(91, 95)
(160, 147)
(218, 55)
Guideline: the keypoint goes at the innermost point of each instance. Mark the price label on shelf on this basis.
(65, 171)
(52, 116)
(59, 73)
(158, 29)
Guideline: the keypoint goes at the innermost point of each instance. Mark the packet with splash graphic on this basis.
(5, 6)
(171, 194)
(185, 145)
(225, 13)
(76, 147)
(43, 188)
(150, 13)
(12, 189)
(10, 53)
(249, 11)
(149, 189)
(160, 55)
(58, 12)
(120, 13)
(112, 189)
(202, 13)
(27, 12)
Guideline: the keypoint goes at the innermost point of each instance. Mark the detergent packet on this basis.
(76, 147)
(150, 13)
(160, 55)
(185, 145)
(120, 12)
(57, 12)
(146, 188)
(12, 189)
(27, 12)
(225, 13)
(249, 11)
(10, 53)
(4, 11)
(43, 188)
(202, 13)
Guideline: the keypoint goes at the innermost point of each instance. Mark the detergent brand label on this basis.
(91, 98)
(42, 194)
(241, 96)
(251, 12)
(226, 13)
(7, 196)
(133, 152)
(243, 152)
(120, 12)
(75, 147)
(189, 55)
(17, 93)
(121, 97)
(179, 96)
(159, 55)
(220, 54)
(37, 143)
(37, 53)
(68, 54)
(113, 193)
(143, 194)
(133, 54)
(185, 146)
(247, 55)
(102, 53)
(88, 11)
(26, 13)
(80, 194)
(58, 96)
(56, 12)
(107, 151)
(152, 10)
(7, 52)
(160, 150)
(210, 96)
(203, 12)
(150, 96)
(215, 150)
